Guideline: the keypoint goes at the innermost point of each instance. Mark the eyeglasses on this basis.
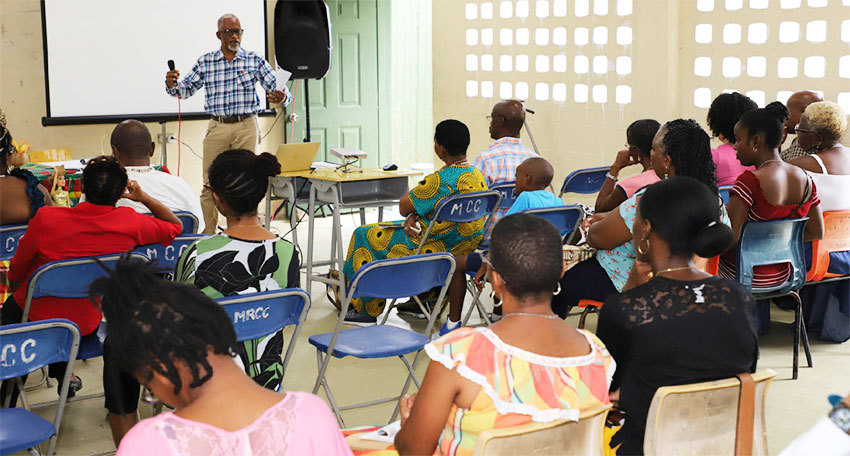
(798, 129)
(229, 32)
(207, 186)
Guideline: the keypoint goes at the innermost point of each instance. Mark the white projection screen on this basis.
(105, 60)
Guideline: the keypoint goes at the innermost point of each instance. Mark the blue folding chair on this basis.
(387, 279)
(9, 236)
(71, 279)
(27, 347)
(261, 314)
(461, 208)
(565, 218)
(584, 181)
(188, 219)
(776, 242)
(507, 192)
(724, 193)
(165, 257)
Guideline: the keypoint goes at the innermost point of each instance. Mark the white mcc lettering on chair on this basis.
(5, 359)
(169, 252)
(24, 357)
(7, 355)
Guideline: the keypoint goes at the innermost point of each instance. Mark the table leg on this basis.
(380, 214)
(269, 206)
(337, 257)
(310, 228)
(362, 216)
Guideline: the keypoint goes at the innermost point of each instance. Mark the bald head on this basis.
(797, 104)
(534, 174)
(507, 119)
(132, 144)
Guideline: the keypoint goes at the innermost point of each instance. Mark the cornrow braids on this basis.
(689, 148)
(154, 324)
(240, 178)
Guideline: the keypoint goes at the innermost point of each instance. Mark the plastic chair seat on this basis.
(371, 342)
(22, 429)
(91, 346)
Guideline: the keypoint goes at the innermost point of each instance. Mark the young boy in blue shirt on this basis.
(533, 176)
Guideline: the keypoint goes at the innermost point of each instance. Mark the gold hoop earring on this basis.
(666, 171)
(497, 300)
(640, 244)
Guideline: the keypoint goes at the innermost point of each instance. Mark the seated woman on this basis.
(821, 128)
(387, 240)
(245, 257)
(658, 331)
(529, 366)
(181, 344)
(95, 227)
(21, 197)
(680, 148)
(723, 114)
(639, 137)
(775, 190)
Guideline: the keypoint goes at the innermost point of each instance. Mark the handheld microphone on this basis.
(171, 65)
(529, 111)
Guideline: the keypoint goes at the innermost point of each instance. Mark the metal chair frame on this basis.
(324, 361)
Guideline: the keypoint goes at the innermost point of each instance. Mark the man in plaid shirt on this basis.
(229, 75)
(796, 104)
(498, 163)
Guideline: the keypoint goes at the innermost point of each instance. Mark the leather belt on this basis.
(231, 119)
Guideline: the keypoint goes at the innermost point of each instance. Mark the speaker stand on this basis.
(307, 109)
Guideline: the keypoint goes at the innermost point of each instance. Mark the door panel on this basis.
(344, 105)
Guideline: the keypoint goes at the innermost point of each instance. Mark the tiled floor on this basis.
(792, 406)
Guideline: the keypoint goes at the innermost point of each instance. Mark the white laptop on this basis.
(296, 156)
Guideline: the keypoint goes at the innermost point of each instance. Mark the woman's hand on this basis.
(405, 405)
(585, 224)
(134, 192)
(479, 276)
(411, 226)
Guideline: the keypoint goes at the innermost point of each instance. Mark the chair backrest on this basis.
(836, 238)
(557, 437)
(9, 236)
(507, 190)
(50, 155)
(565, 218)
(463, 207)
(256, 315)
(189, 221)
(702, 418)
(772, 242)
(70, 278)
(402, 277)
(588, 180)
(166, 256)
(724, 193)
(27, 347)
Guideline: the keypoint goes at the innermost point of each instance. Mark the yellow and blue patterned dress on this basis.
(388, 240)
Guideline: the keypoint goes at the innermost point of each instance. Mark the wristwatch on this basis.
(611, 176)
(840, 415)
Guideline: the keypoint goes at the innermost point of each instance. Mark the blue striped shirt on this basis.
(230, 86)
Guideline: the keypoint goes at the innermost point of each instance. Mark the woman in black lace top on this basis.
(682, 325)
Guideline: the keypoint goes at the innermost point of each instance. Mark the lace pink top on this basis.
(297, 425)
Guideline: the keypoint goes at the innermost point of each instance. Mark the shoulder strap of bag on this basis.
(746, 416)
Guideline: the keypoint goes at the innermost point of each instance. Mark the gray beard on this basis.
(233, 47)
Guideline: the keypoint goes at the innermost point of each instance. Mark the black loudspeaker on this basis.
(302, 37)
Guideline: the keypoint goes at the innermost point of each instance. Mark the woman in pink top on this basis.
(180, 344)
(639, 137)
(723, 114)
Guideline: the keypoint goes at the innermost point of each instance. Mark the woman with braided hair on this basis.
(180, 343)
(680, 148)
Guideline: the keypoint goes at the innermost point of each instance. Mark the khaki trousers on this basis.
(219, 138)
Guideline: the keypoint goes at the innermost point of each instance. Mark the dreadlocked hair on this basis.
(104, 180)
(240, 178)
(689, 148)
(155, 324)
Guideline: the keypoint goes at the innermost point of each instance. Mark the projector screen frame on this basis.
(48, 120)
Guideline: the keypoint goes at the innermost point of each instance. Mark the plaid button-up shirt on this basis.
(793, 151)
(498, 164)
(230, 86)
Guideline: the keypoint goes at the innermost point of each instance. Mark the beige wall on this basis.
(22, 98)
(574, 135)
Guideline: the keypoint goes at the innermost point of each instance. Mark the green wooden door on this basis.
(344, 105)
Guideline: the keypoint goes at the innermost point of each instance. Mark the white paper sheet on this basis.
(384, 434)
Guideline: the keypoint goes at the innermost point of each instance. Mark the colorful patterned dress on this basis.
(222, 265)
(388, 240)
(517, 386)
